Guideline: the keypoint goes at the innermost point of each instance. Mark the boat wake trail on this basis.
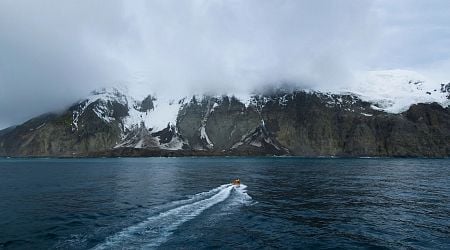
(154, 231)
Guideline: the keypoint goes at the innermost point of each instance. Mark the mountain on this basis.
(282, 122)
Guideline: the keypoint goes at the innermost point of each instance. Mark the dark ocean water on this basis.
(173, 203)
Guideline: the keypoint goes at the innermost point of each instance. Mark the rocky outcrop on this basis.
(307, 127)
(281, 123)
(53, 135)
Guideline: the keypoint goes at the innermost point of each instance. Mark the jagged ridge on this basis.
(308, 123)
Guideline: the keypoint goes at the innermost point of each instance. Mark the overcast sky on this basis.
(54, 52)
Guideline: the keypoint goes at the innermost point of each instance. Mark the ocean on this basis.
(189, 203)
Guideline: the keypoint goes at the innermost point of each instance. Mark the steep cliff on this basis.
(305, 123)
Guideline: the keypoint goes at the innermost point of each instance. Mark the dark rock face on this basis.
(289, 123)
(445, 88)
(351, 128)
(54, 135)
(224, 122)
(166, 135)
(189, 121)
(147, 104)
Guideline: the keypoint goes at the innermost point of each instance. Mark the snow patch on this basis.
(165, 112)
(215, 105)
(237, 144)
(393, 91)
(175, 144)
(245, 99)
(139, 144)
(204, 136)
(38, 127)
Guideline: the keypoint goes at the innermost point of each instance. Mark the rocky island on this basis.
(283, 122)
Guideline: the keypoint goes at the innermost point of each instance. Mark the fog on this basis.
(53, 53)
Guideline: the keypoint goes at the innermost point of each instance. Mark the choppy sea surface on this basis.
(188, 203)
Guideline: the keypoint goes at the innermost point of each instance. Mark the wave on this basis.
(155, 230)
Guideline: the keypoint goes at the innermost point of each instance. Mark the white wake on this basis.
(155, 230)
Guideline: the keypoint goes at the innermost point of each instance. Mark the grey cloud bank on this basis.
(55, 52)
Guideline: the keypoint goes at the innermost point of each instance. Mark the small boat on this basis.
(236, 182)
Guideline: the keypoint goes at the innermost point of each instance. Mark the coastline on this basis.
(149, 153)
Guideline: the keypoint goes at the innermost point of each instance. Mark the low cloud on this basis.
(55, 52)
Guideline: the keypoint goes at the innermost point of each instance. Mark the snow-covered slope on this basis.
(394, 91)
(142, 122)
(149, 121)
(99, 99)
(283, 121)
(163, 112)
